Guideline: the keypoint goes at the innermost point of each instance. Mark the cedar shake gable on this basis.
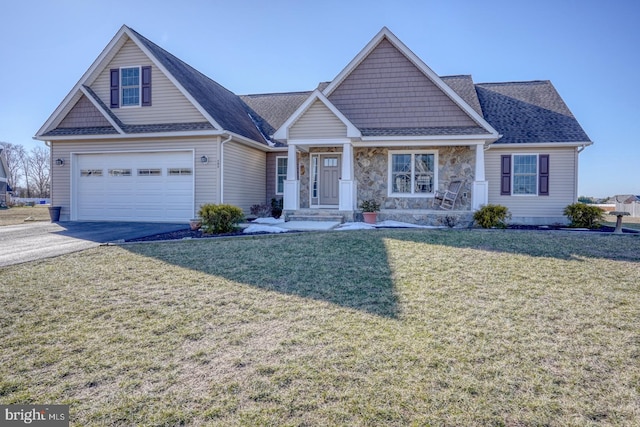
(388, 91)
(529, 112)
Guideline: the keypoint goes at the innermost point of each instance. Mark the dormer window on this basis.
(130, 87)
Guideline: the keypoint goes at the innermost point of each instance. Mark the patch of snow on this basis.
(355, 226)
(398, 224)
(268, 220)
(258, 228)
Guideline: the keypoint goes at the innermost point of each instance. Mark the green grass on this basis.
(20, 215)
(385, 327)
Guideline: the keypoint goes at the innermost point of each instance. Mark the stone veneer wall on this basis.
(371, 172)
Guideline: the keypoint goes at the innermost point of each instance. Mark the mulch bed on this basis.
(190, 234)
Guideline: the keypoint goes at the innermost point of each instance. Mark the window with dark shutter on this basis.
(543, 175)
(505, 175)
(115, 88)
(146, 86)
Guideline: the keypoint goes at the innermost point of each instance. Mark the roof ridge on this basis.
(514, 82)
(301, 92)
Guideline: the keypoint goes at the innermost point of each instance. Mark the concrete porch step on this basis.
(318, 218)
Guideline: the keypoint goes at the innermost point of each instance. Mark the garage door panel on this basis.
(124, 186)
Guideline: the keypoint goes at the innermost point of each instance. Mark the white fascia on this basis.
(131, 135)
(283, 132)
(99, 108)
(526, 145)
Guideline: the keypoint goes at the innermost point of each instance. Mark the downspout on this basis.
(221, 157)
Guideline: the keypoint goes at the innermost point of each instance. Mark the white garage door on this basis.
(134, 186)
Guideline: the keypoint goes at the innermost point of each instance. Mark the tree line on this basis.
(29, 173)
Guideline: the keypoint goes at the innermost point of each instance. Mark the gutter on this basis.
(221, 157)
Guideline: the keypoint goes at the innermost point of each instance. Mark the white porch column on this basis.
(480, 195)
(347, 183)
(291, 197)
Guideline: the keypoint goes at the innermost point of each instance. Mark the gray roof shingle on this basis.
(110, 130)
(528, 112)
(225, 107)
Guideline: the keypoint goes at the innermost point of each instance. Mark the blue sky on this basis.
(590, 50)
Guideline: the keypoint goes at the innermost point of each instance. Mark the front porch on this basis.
(430, 217)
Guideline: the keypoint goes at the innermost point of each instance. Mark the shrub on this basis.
(584, 216)
(276, 207)
(218, 219)
(489, 216)
(370, 206)
(261, 211)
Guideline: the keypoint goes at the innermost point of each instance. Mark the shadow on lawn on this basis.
(310, 265)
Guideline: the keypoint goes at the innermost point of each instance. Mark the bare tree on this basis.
(13, 154)
(39, 171)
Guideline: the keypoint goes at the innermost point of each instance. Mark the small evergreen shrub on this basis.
(218, 219)
(584, 216)
(490, 216)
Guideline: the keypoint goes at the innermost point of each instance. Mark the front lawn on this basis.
(21, 214)
(382, 327)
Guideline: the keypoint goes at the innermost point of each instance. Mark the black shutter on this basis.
(505, 175)
(115, 88)
(146, 86)
(543, 175)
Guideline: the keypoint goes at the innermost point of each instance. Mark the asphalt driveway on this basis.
(39, 240)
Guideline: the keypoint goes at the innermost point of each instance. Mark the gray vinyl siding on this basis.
(388, 90)
(206, 175)
(562, 184)
(318, 122)
(244, 176)
(168, 104)
(83, 114)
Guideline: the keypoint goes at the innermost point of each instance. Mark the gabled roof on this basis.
(529, 112)
(273, 109)
(224, 110)
(316, 96)
(372, 94)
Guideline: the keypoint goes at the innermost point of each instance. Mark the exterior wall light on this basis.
(204, 160)
(59, 162)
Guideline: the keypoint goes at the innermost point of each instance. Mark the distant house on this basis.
(4, 180)
(143, 136)
(628, 203)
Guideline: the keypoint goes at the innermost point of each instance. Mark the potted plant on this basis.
(370, 210)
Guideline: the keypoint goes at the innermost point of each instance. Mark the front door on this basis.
(329, 178)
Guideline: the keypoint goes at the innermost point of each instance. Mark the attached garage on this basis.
(133, 186)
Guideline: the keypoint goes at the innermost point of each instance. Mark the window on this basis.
(149, 172)
(119, 172)
(412, 173)
(524, 175)
(130, 86)
(179, 171)
(91, 172)
(281, 174)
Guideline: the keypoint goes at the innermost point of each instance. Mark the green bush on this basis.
(490, 216)
(218, 219)
(584, 216)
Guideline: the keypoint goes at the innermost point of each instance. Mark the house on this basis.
(4, 181)
(628, 203)
(145, 137)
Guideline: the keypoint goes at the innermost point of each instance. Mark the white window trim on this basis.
(390, 192)
(285, 175)
(513, 175)
(121, 87)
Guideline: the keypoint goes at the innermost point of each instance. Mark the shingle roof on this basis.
(225, 107)
(435, 131)
(274, 108)
(527, 112)
(464, 87)
(110, 130)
